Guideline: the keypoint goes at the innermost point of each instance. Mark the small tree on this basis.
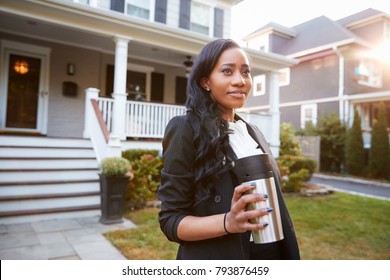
(379, 156)
(294, 167)
(354, 149)
(289, 144)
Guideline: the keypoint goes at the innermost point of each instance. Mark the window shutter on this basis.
(218, 22)
(181, 87)
(118, 5)
(160, 13)
(109, 80)
(185, 14)
(157, 91)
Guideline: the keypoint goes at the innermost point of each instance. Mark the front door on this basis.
(23, 88)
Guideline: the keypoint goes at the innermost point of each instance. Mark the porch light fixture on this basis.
(21, 67)
(70, 69)
(188, 64)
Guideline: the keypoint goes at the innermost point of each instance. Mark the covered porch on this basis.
(116, 60)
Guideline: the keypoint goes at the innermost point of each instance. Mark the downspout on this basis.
(274, 112)
(341, 84)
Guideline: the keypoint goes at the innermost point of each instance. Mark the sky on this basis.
(250, 15)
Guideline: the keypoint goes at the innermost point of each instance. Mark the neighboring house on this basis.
(110, 71)
(343, 65)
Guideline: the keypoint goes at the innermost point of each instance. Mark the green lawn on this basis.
(337, 226)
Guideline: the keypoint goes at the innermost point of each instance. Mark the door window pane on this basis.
(136, 85)
(23, 91)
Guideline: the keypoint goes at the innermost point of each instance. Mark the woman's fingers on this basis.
(240, 190)
(252, 214)
(246, 199)
(239, 217)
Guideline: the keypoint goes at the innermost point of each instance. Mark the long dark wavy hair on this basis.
(211, 130)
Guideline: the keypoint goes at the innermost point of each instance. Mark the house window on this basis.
(259, 85)
(138, 82)
(140, 8)
(81, 1)
(308, 114)
(284, 77)
(200, 18)
(369, 73)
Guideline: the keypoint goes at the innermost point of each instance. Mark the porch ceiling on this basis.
(92, 28)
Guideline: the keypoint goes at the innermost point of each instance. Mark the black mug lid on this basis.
(253, 168)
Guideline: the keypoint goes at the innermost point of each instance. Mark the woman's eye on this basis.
(226, 71)
(246, 72)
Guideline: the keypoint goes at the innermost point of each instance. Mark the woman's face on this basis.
(230, 81)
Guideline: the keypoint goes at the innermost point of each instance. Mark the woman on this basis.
(203, 208)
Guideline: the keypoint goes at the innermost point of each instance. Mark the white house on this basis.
(84, 79)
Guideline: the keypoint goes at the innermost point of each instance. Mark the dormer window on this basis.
(200, 18)
(140, 8)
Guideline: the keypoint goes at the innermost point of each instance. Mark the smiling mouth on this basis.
(239, 94)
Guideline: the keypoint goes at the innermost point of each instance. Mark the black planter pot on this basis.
(112, 198)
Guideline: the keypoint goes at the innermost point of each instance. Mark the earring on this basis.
(207, 89)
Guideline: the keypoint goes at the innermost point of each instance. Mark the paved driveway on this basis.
(354, 186)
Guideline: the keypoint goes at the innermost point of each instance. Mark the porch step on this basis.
(46, 175)
(46, 163)
(45, 152)
(47, 178)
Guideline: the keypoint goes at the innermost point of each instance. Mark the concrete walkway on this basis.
(62, 239)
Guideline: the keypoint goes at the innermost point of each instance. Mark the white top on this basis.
(242, 143)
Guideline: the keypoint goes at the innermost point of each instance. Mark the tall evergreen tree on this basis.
(332, 133)
(354, 149)
(379, 156)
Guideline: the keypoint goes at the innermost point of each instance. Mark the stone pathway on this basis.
(79, 238)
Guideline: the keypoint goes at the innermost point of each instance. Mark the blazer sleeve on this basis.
(176, 190)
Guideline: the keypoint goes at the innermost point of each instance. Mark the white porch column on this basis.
(119, 94)
(273, 78)
(90, 93)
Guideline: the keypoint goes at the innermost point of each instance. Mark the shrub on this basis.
(332, 133)
(354, 150)
(379, 156)
(146, 168)
(114, 166)
(135, 154)
(295, 181)
(295, 171)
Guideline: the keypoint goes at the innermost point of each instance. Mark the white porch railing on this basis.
(148, 120)
(143, 119)
(262, 121)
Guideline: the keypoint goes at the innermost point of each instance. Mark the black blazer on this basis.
(180, 197)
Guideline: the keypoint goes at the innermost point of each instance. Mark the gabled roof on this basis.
(315, 33)
(362, 16)
(272, 27)
(319, 34)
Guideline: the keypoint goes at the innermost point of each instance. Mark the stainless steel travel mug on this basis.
(257, 171)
